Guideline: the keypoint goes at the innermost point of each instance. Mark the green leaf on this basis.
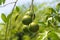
(57, 18)
(16, 17)
(42, 36)
(4, 17)
(3, 1)
(9, 16)
(17, 8)
(0, 2)
(53, 36)
(42, 23)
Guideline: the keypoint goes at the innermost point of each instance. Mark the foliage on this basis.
(47, 18)
(2, 2)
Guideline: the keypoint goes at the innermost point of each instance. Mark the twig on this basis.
(32, 6)
(14, 6)
(12, 13)
(52, 24)
(7, 4)
(7, 32)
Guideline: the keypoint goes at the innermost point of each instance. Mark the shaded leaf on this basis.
(57, 18)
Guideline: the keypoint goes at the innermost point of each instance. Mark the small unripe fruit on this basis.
(58, 5)
(33, 27)
(30, 13)
(26, 37)
(25, 29)
(26, 20)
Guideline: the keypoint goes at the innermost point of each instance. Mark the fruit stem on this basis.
(6, 31)
(32, 6)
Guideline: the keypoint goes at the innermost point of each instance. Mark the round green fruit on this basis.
(30, 13)
(58, 5)
(25, 29)
(33, 27)
(26, 37)
(26, 20)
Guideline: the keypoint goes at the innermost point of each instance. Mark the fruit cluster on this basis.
(28, 20)
(29, 26)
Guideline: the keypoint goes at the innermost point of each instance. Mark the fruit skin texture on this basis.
(33, 27)
(26, 20)
(31, 14)
(25, 29)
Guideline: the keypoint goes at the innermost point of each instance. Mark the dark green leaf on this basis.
(57, 18)
(16, 17)
(4, 17)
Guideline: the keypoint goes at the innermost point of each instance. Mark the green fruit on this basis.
(58, 5)
(25, 29)
(33, 27)
(26, 20)
(31, 14)
(26, 37)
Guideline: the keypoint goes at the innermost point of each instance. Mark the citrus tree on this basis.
(32, 23)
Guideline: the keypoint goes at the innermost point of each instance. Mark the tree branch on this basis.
(7, 31)
(7, 4)
(11, 16)
(32, 7)
(14, 6)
